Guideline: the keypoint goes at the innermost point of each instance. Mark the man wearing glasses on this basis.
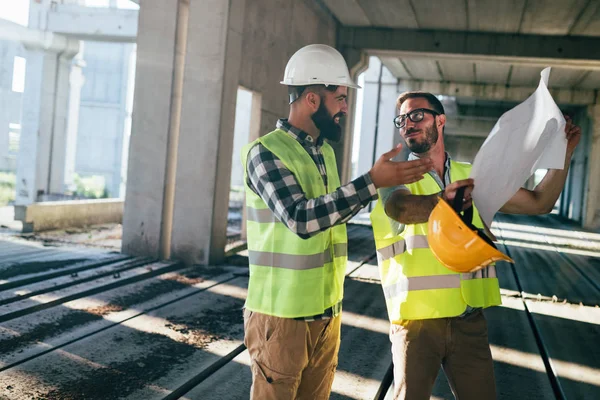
(435, 321)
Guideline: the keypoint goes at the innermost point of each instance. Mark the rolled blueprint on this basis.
(528, 137)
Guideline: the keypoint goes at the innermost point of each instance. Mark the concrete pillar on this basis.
(183, 122)
(40, 165)
(207, 126)
(592, 209)
(127, 68)
(59, 136)
(127, 125)
(156, 111)
(76, 81)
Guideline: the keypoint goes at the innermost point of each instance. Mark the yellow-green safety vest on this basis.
(289, 276)
(415, 284)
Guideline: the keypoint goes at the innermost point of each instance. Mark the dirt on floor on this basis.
(123, 378)
(77, 318)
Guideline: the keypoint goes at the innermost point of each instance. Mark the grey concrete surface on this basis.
(146, 339)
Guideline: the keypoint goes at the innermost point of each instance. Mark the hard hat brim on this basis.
(348, 85)
(455, 245)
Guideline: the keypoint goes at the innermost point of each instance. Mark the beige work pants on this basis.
(459, 345)
(291, 359)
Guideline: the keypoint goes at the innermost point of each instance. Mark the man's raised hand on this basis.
(387, 173)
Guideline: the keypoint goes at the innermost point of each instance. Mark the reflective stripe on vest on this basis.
(450, 281)
(397, 248)
(291, 276)
(292, 261)
(264, 215)
(415, 284)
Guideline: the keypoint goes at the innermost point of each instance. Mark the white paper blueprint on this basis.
(528, 137)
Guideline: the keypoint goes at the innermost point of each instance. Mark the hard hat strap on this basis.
(295, 92)
(467, 215)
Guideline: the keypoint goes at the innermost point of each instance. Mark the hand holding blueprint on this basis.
(528, 137)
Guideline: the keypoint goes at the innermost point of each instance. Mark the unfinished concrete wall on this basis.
(272, 33)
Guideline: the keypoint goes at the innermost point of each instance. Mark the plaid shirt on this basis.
(276, 185)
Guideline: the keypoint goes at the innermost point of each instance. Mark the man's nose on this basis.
(344, 108)
(408, 123)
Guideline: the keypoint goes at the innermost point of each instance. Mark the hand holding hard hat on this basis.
(455, 242)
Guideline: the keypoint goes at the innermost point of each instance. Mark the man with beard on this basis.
(436, 313)
(297, 244)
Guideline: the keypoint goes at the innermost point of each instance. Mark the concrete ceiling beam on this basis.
(579, 52)
(497, 92)
(94, 23)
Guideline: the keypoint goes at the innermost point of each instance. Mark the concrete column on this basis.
(40, 166)
(592, 209)
(76, 81)
(156, 111)
(124, 119)
(59, 136)
(183, 122)
(128, 120)
(211, 79)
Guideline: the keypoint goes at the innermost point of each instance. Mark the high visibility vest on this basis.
(292, 277)
(415, 284)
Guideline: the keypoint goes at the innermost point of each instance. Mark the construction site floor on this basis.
(87, 323)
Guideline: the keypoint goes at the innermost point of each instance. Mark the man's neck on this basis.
(437, 154)
(306, 125)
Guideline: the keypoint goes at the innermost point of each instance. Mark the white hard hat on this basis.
(317, 64)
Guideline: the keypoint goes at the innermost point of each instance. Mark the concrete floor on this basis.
(87, 323)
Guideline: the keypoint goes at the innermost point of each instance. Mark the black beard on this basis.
(326, 125)
(431, 138)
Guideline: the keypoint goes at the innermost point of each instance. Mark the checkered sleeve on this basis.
(278, 188)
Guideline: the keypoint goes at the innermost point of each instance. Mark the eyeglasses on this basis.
(415, 115)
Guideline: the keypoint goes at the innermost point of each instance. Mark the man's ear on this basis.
(441, 121)
(313, 100)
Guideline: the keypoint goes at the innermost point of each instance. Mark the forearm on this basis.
(410, 209)
(270, 179)
(308, 217)
(542, 198)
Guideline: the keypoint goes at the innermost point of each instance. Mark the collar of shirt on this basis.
(433, 173)
(302, 137)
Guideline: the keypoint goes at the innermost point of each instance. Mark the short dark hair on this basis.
(436, 105)
(294, 92)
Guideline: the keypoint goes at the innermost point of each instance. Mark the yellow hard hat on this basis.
(458, 244)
